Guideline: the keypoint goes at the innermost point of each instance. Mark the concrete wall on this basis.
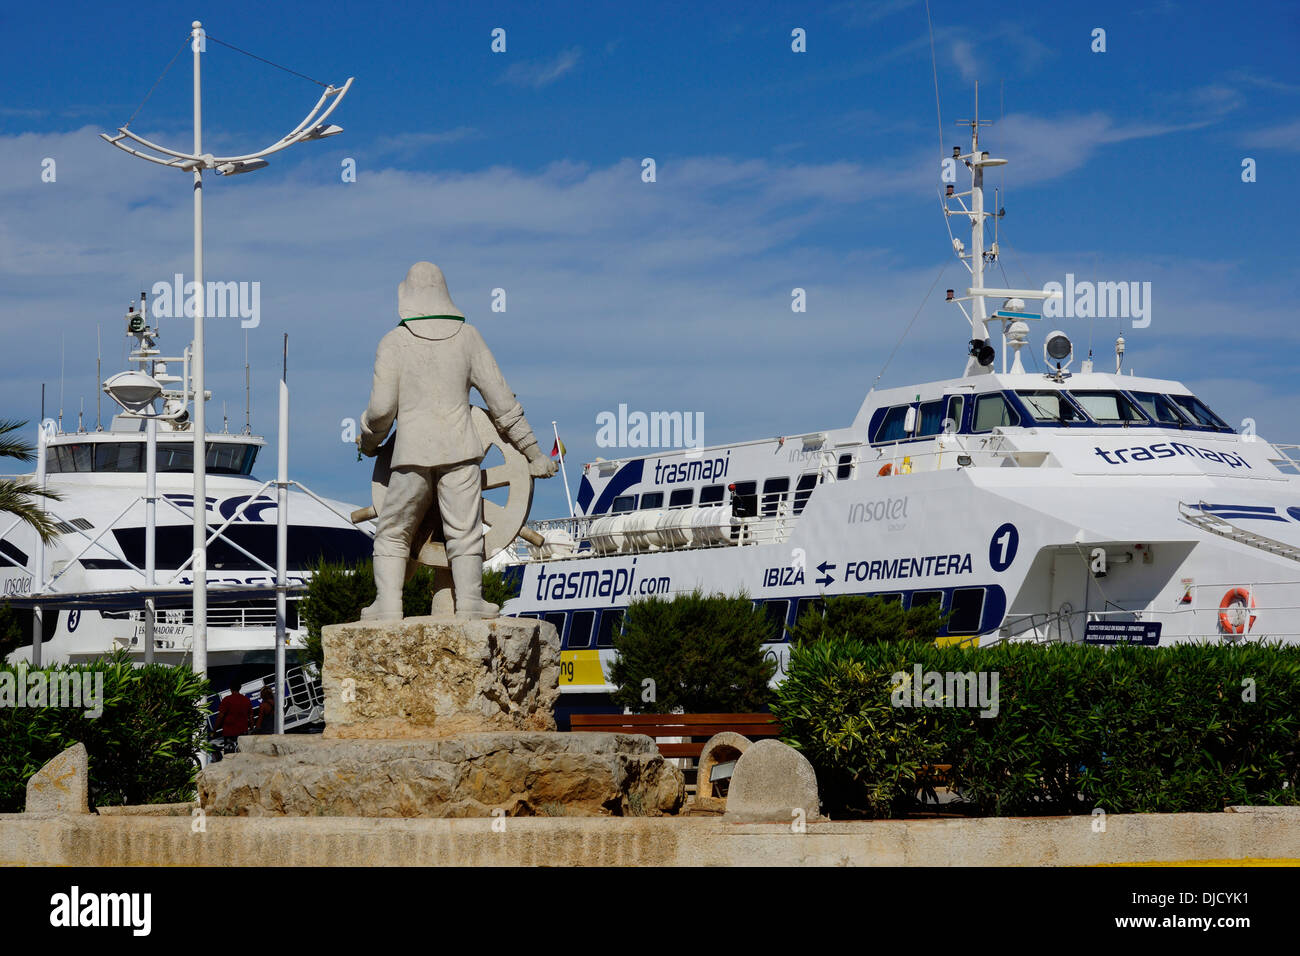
(91, 840)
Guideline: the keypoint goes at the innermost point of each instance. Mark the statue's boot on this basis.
(467, 584)
(390, 574)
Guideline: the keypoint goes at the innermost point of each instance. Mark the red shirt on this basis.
(233, 715)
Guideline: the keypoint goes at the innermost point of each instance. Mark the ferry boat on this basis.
(93, 588)
(1076, 504)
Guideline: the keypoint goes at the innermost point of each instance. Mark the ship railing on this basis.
(993, 450)
(1045, 627)
(304, 700)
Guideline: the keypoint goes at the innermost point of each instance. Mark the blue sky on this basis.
(521, 170)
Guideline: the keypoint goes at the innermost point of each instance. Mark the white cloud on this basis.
(539, 73)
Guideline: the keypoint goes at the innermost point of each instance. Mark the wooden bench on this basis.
(697, 728)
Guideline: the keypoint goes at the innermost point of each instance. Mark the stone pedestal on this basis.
(435, 677)
(471, 775)
(434, 717)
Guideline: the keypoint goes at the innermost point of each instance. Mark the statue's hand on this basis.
(540, 467)
(368, 448)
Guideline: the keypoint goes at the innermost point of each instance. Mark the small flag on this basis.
(558, 448)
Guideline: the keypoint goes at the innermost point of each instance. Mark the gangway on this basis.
(304, 702)
(1197, 516)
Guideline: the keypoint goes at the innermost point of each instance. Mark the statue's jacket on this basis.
(424, 384)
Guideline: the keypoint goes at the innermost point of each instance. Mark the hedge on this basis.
(1185, 728)
(142, 748)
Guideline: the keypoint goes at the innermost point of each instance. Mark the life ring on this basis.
(885, 471)
(1236, 598)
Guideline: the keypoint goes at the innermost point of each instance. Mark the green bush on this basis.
(142, 748)
(870, 619)
(834, 706)
(337, 592)
(1126, 729)
(703, 654)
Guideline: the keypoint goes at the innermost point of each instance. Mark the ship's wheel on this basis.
(502, 522)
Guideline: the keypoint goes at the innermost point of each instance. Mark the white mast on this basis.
(981, 353)
(312, 127)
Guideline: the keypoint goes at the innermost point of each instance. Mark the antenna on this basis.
(248, 390)
(99, 377)
(63, 352)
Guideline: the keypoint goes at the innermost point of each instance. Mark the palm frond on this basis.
(14, 447)
(18, 498)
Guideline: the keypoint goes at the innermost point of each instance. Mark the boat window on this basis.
(711, 495)
(931, 419)
(1160, 409)
(747, 492)
(991, 411)
(624, 503)
(967, 608)
(223, 458)
(923, 598)
(955, 405)
(774, 492)
(810, 606)
(1194, 407)
(1050, 406)
(654, 499)
(1109, 408)
(803, 491)
(894, 597)
(845, 470)
(556, 620)
(307, 545)
(777, 611)
(681, 498)
(892, 426)
(611, 625)
(580, 629)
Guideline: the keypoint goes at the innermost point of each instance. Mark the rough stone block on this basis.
(430, 677)
(62, 785)
(522, 773)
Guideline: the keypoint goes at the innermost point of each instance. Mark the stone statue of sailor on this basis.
(424, 369)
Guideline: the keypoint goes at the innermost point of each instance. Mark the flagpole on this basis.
(564, 474)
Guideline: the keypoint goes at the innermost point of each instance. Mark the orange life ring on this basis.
(1240, 597)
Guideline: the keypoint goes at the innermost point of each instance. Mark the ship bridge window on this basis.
(1109, 408)
(624, 503)
(955, 405)
(892, 426)
(681, 498)
(803, 491)
(931, 419)
(223, 458)
(774, 493)
(711, 495)
(1194, 407)
(993, 410)
(653, 499)
(1048, 406)
(1160, 409)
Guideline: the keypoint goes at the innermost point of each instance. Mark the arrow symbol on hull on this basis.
(825, 569)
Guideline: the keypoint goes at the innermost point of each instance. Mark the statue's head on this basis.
(424, 305)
